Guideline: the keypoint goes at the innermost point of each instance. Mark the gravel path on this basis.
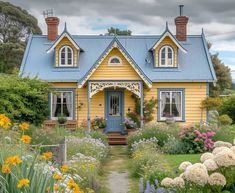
(117, 175)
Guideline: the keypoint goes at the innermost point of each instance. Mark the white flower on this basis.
(225, 158)
(233, 149)
(197, 173)
(217, 179)
(179, 182)
(167, 182)
(219, 149)
(182, 175)
(210, 164)
(184, 165)
(222, 144)
(206, 156)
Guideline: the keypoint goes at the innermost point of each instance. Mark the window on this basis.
(171, 105)
(166, 56)
(115, 60)
(66, 56)
(62, 104)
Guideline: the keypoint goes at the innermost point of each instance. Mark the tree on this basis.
(116, 31)
(223, 74)
(15, 26)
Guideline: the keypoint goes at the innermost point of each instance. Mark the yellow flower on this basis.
(5, 169)
(56, 187)
(24, 126)
(26, 139)
(89, 190)
(5, 122)
(14, 160)
(23, 182)
(64, 168)
(57, 177)
(74, 187)
(47, 155)
(48, 189)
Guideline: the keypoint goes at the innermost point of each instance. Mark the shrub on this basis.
(24, 99)
(225, 120)
(211, 103)
(224, 133)
(228, 107)
(174, 146)
(134, 117)
(195, 140)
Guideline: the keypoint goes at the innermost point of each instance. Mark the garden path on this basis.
(116, 168)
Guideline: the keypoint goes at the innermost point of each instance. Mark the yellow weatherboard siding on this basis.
(194, 94)
(166, 41)
(66, 42)
(112, 72)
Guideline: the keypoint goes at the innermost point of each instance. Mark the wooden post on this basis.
(88, 107)
(141, 105)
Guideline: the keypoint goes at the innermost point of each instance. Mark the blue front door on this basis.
(114, 111)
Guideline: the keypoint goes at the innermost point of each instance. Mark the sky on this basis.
(144, 17)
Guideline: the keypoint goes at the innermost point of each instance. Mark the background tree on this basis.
(15, 26)
(117, 31)
(223, 74)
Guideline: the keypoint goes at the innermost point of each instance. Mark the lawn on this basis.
(175, 160)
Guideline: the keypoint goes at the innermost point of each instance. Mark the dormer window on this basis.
(66, 56)
(115, 60)
(166, 57)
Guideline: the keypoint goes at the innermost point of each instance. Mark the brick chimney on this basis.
(52, 27)
(181, 25)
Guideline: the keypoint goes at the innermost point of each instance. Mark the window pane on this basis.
(57, 105)
(115, 61)
(163, 56)
(170, 56)
(69, 56)
(114, 102)
(165, 104)
(176, 104)
(67, 104)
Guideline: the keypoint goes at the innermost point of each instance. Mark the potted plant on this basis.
(62, 121)
(98, 123)
(129, 124)
(169, 118)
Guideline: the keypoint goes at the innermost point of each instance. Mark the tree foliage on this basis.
(117, 31)
(24, 99)
(15, 26)
(223, 74)
(228, 107)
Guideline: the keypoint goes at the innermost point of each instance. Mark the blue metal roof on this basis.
(195, 65)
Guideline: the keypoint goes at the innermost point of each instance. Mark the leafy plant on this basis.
(62, 119)
(130, 124)
(225, 120)
(98, 122)
(211, 103)
(228, 107)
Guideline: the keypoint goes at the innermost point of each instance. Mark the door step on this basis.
(116, 139)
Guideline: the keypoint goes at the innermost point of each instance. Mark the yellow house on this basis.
(97, 76)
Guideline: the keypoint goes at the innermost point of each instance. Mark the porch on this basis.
(115, 101)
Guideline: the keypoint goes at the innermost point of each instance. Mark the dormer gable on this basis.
(66, 50)
(165, 50)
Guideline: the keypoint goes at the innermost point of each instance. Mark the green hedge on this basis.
(23, 99)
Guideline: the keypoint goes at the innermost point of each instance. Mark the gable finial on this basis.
(65, 26)
(167, 28)
(203, 34)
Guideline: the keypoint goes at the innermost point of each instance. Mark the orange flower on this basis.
(5, 122)
(74, 187)
(26, 139)
(5, 169)
(24, 126)
(64, 168)
(14, 160)
(56, 187)
(47, 155)
(57, 177)
(23, 182)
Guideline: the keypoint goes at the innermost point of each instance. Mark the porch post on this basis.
(141, 105)
(88, 107)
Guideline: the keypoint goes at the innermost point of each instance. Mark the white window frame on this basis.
(181, 101)
(51, 106)
(166, 57)
(66, 57)
(114, 64)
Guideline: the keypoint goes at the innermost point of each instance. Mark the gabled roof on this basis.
(115, 43)
(65, 33)
(168, 33)
(195, 66)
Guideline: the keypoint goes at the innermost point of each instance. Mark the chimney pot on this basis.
(52, 27)
(181, 25)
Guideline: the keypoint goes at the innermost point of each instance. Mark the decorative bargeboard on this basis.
(132, 86)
